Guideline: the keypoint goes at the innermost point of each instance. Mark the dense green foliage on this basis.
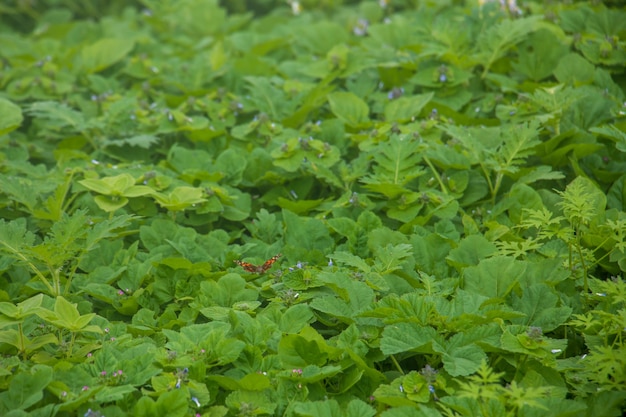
(445, 181)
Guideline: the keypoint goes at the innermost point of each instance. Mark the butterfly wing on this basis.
(258, 269)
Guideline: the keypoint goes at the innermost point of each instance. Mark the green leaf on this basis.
(310, 238)
(10, 116)
(583, 202)
(358, 408)
(173, 403)
(295, 318)
(116, 185)
(470, 251)
(406, 108)
(297, 352)
(228, 290)
(406, 337)
(574, 69)
(23, 309)
(104, 53)
(329, 408)
(540, 54)
(464, 360)
(57, 115)
(494, 277)
(66, 316)
(26, 389)
(258, 401)
(397, 163)
(349, 108)
(614, 133)
(498, 39)
(539, 303)
(180, 198)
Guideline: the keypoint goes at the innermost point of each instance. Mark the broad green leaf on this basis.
(470, 251)
(297, 352)
(173, 403)
(574, 69)
(258, 401)
(295, 318)
(116, 185)
(358, 408)
(334, 307)
(180, 198)
(320, 36)
(104, 53)
(228, 290)
(110, 394)
(26, 389)
(110, 203)
(539, 303)
(464, 360)
(406, 337)
(66, 311)
(349, 108)
(309, 238)
(327, 408)
(22, 309)
(493, 277)
(411, 411)
(406, 108)
(351, 260)
(540, 54)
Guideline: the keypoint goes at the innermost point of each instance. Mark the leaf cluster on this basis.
(312, 208)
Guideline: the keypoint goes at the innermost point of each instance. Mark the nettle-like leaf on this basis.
(497, 40)
(614, 133)
(396, 164)
(58, 116)
(422, 218)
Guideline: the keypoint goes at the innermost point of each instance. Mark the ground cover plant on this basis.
(316, 208)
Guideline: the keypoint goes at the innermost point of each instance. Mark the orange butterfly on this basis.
(258, 269)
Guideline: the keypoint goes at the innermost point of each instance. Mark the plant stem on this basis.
(396, 364)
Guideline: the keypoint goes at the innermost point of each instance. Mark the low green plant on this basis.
(316, 209)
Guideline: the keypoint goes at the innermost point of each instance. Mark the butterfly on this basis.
(258, 269)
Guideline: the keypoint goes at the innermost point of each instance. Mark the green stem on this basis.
(436, 175)
(71, 348)
(396, 364)
(20, 329)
